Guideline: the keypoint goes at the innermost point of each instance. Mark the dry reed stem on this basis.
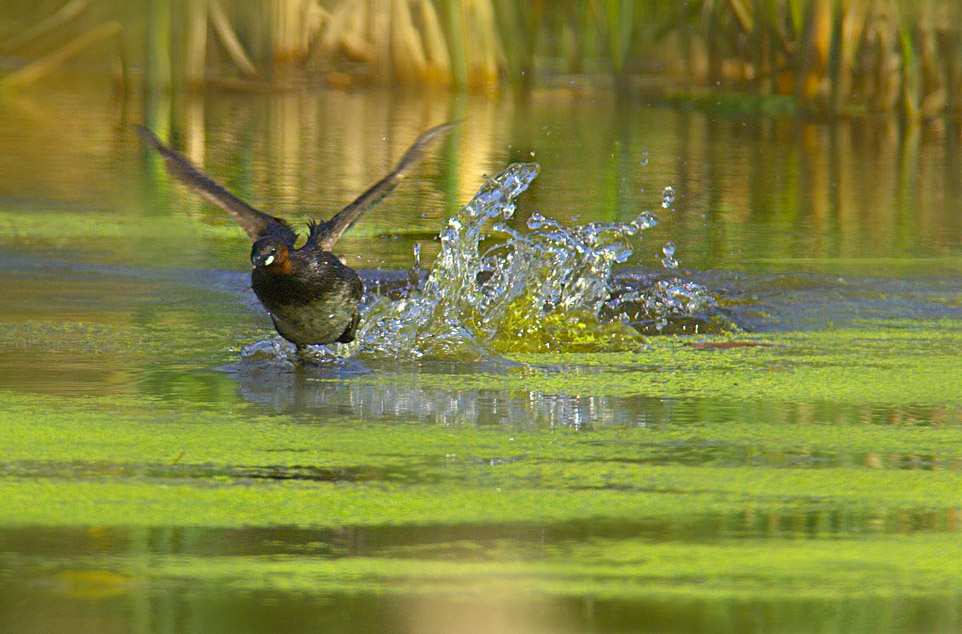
(409, 63)
(287, 43)
(484, 52)
(228, 38)
(337, 26)
(65, 14)
(315, 16)
(934, 93)
(813, 85)
(438, 59)
(49, 63)
(195, 62)
(379, 30)
(346, 32)
(743, 15)
(888, 71)
(850, 37)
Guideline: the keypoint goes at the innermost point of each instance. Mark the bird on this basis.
(311, 296)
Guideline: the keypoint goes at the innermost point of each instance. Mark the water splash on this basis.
(669, 305)
(646, 221)
(668, 256)
(668, 197)
(549, 288)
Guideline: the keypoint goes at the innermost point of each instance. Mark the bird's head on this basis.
(271, 254)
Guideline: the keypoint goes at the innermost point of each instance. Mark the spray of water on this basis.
(548, 288)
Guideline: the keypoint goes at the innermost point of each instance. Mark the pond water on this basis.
(793, 464)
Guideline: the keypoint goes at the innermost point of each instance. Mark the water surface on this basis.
(799, 470)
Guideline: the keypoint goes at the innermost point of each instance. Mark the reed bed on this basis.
(840, 56)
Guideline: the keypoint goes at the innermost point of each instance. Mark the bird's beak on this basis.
(263, 261)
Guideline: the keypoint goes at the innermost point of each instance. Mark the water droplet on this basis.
(644, 158)
(668, 197)
(536, 221)
(645, 221)
(668, 251)
(417, 255)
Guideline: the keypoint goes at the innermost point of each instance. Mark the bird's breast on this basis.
(309, 309)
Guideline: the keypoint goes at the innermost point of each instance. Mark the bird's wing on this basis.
(326, 234)
(256, 223)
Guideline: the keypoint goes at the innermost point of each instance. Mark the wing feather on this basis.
(256, 223)
(326, 234)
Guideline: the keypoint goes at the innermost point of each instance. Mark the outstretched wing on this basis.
(256, 223)
(326, 234)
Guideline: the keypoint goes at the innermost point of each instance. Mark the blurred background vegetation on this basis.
(298, 106)
(828, 56)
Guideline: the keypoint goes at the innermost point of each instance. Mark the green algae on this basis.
(201, 498)
(880, 363)
(811, 466)
(526, 329)
(738, 529)
(603, 569)
(128, 429)
(63, 228)
(174, 240)
(232, 465)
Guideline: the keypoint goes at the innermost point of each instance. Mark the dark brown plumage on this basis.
(311, 295)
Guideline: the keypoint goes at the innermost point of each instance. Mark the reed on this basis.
(619, 24)
(407, 50)
(436, 48)
(228, 38)
(195, 63)
(845, 56)
(287, 41)
(157, 66)
(64, 16)
(53, 61)
(455, 36)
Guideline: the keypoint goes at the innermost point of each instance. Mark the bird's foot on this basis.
(314, 355)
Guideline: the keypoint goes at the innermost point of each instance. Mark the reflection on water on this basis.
(123, 579)
(205, 611)
(749, 192)
(387, 400)
(389, 393)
